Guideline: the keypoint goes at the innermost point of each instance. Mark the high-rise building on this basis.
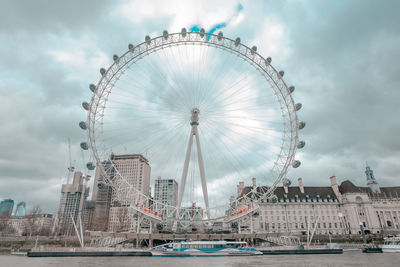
(101, 196)
(165, 196)
(6, 207)
(135, 170)
(71, 203)
(371, 181)
(20, 210)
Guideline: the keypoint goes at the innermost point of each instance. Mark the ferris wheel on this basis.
(203, 109)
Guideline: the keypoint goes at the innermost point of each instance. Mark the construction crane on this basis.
(71, 168)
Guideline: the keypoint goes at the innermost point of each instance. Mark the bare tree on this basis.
(32, 222)
(5, 226)
(123, 219)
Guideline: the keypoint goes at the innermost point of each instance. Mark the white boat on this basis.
(204, 249)
(391, 244)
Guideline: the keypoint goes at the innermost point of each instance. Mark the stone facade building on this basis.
(32, 224)
(335, 209)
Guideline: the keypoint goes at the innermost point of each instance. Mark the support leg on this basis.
(202, 173)
(185, 171)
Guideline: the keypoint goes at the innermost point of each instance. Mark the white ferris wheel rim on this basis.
(135, 53)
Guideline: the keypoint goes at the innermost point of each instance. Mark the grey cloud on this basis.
(44, 16)
(344, 63)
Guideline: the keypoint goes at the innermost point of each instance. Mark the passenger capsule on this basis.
(102, 71)
(83, 125)
(220, 35)
(301, 144)
(302, 124)
(237, 41)
(281, 73)
(115, 58)
(202, 32)
(298, 106)
(286, 182)
(253, 49)
(165, 34)
(183, 32)
(92, 87)
(296, 164)
(90, 166)
(147, 39)
(268, 61)
(84, 146)
(274, 199)
(85, 105)
(130, 46)
(291, 89)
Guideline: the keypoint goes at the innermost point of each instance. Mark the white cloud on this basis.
(81, 57)
(181, 13)
(272, 39)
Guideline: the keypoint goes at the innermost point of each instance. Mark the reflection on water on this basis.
(346, 259)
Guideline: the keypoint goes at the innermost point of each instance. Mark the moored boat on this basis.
(204, 249)
(391, 244)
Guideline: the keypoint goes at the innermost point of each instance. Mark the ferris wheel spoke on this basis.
(211, 161)
(140, 132)
(173, 87)
(162, 76)
(226, 147)
(243, 147)
(253, 128)
(210, 80)
(179, 93)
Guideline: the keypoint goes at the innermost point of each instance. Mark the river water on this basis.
(354, 258)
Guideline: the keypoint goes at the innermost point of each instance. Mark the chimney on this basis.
(253, 180)
(240, 188)
(231, 200)
(301, 185)
(335, 188)
(286, 189)
(333, 180)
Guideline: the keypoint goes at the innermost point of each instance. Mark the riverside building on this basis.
(166, 193)
(335, 210)
(135, 169)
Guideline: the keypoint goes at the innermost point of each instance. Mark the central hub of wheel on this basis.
(195, 116)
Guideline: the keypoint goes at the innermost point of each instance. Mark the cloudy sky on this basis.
(342, 56)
